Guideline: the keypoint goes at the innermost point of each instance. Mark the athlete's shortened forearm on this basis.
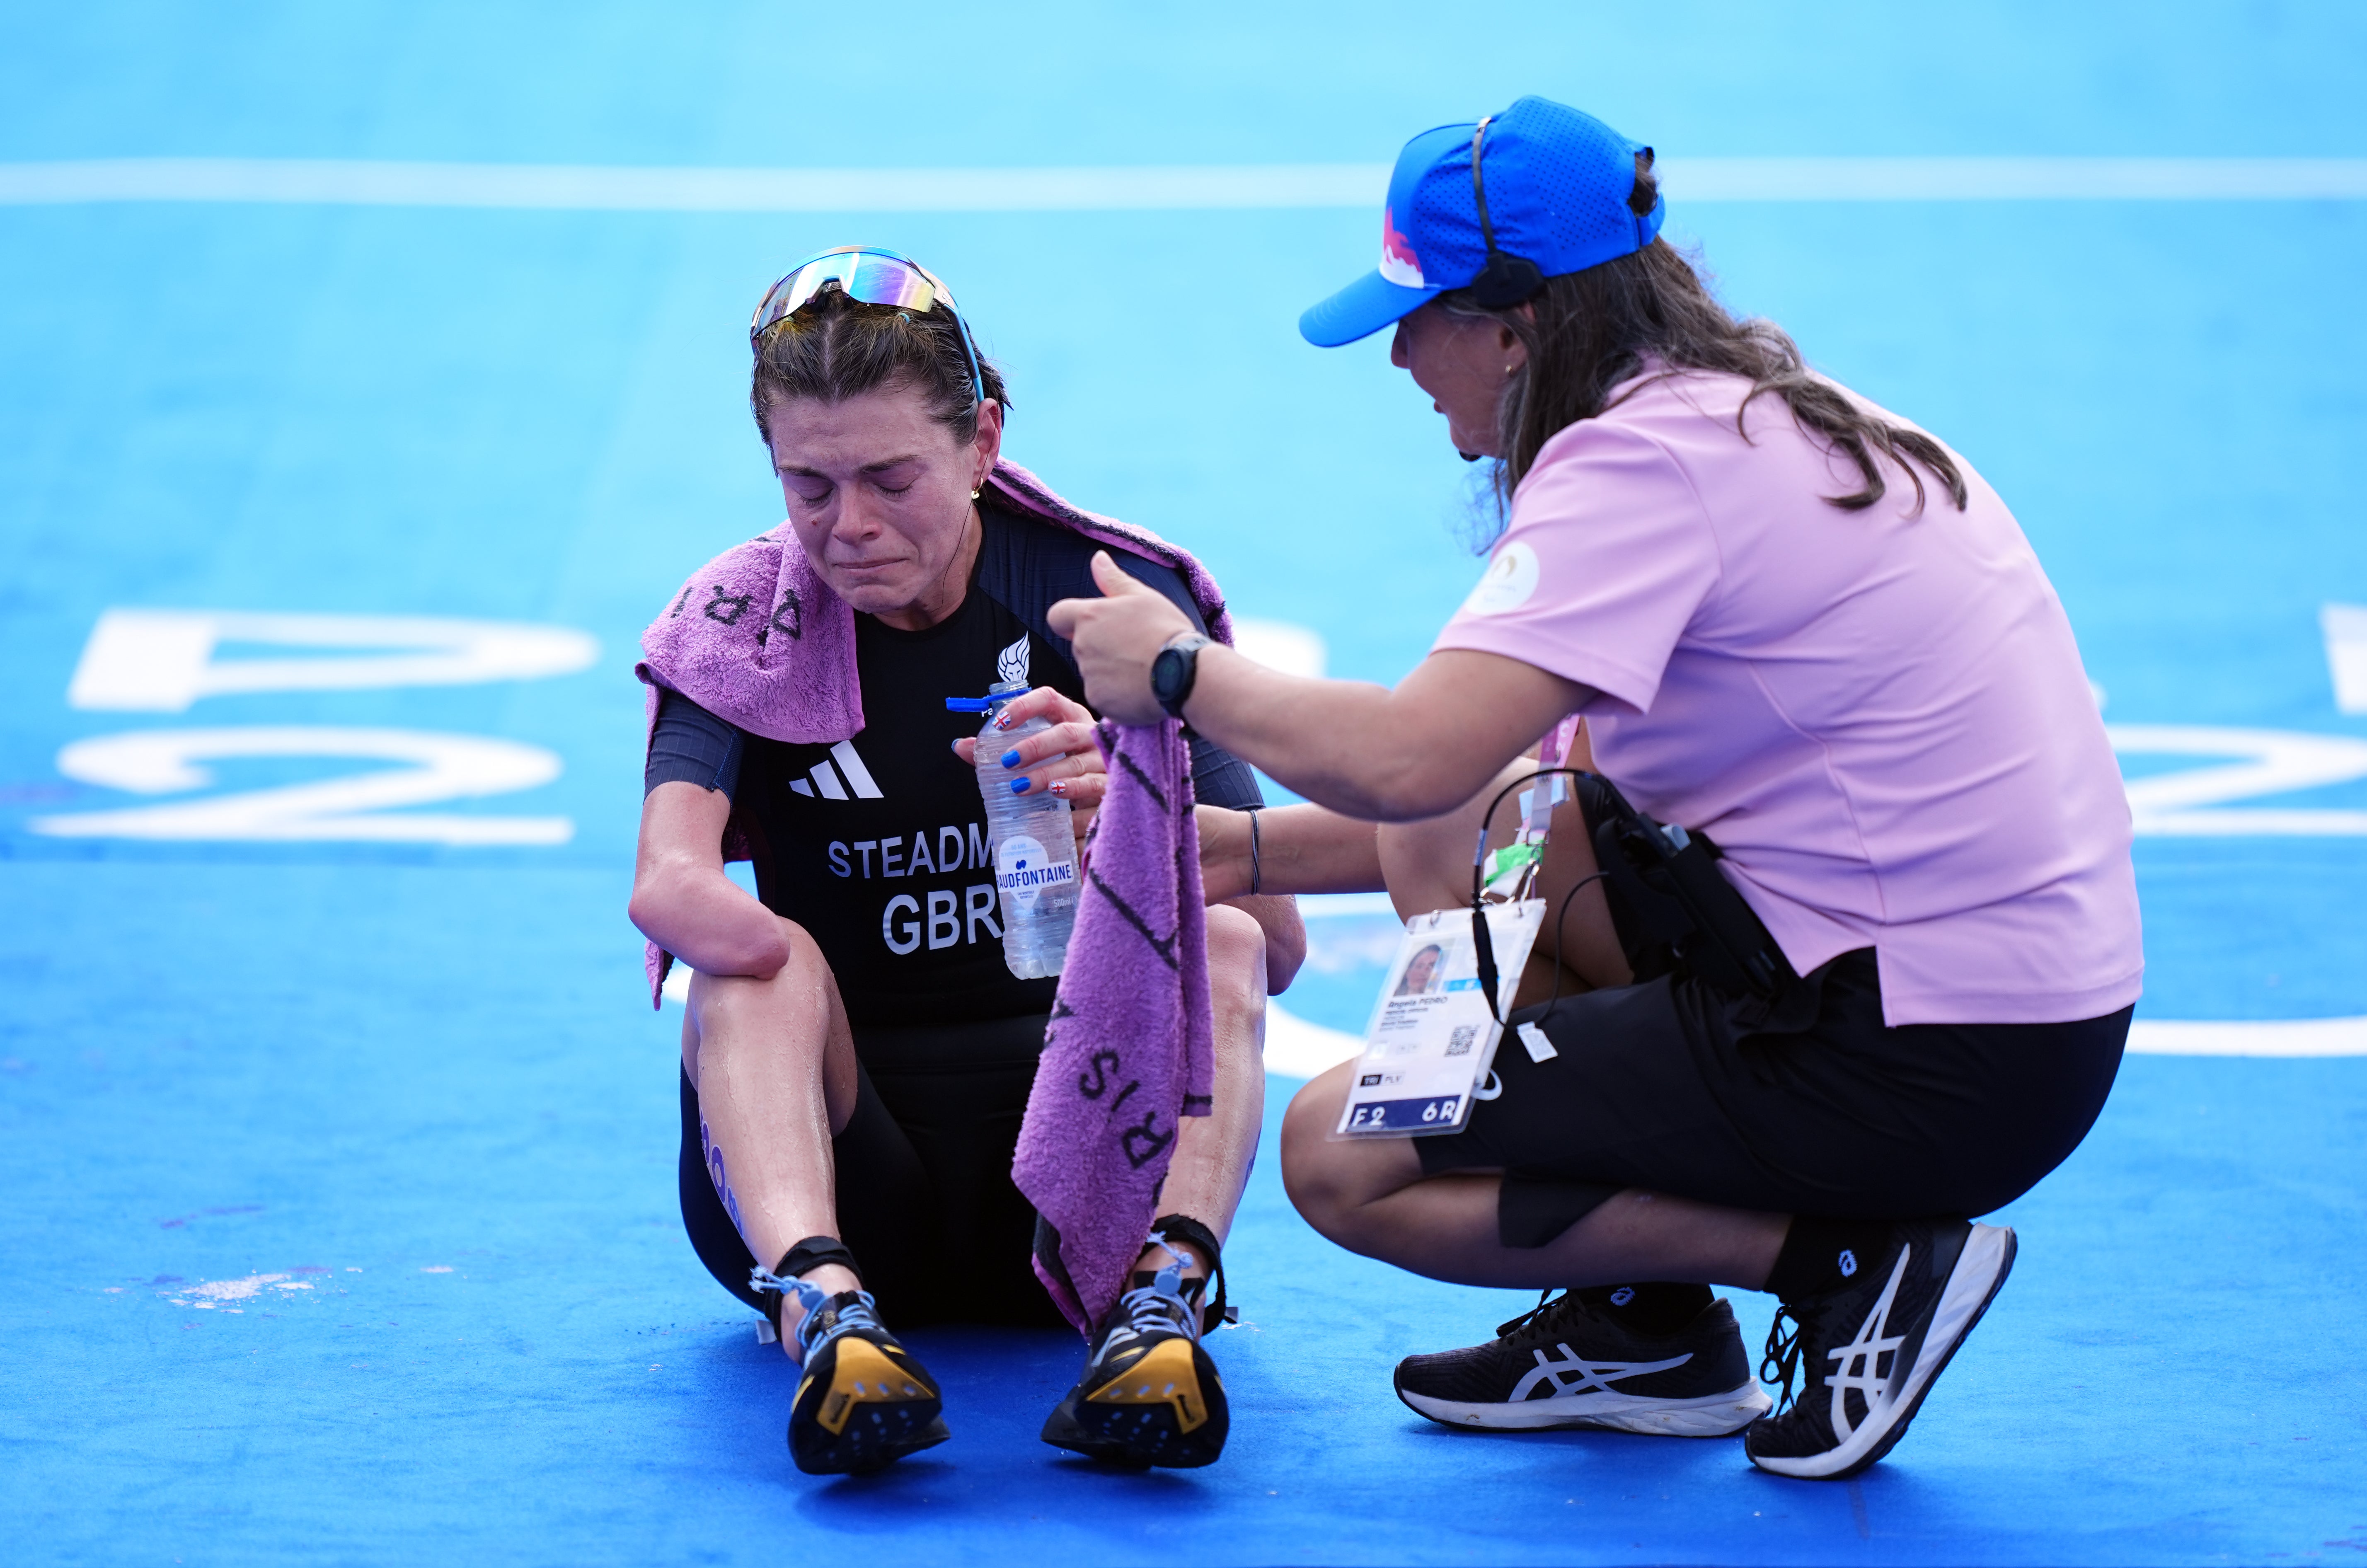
(682, 899)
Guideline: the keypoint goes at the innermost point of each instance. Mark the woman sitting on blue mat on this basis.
(1808, 634)
(856, 1055)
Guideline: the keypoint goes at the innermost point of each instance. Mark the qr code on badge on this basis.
(1459, 1044)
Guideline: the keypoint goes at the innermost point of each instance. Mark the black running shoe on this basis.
(1877, 1343)
(1149, 1393)
(1570, 1363)
(863, 1402)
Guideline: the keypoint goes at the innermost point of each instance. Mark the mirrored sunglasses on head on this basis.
(870, 277)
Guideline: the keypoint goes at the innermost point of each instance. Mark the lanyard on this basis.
(1436, 1024)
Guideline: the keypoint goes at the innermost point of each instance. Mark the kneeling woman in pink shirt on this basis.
(1797, 628)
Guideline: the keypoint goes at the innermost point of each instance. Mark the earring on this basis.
(974, 494)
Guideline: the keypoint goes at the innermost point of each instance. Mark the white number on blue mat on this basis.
(2193, 802)
(162, 660)
(357, 806)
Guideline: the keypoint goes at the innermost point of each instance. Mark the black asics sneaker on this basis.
(1876, 1343)
(1570, 1363)
(863, 1402)
(1149, 1393)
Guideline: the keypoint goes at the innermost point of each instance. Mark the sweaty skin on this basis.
(879, 496)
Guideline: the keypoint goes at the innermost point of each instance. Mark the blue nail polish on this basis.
(1011, 758)
(1019, 786)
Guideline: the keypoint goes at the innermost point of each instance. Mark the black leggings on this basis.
(925, 1201)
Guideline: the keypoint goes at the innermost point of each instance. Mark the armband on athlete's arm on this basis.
(690, 745)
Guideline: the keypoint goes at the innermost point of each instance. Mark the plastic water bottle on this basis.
(1034, 851)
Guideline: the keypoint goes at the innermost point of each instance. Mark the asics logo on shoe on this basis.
(1574, 1375)
(1849, 1263)
(1862, 1368)
(1623, 1295)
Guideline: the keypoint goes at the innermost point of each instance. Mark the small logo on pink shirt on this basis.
(1507, 583)
(1399, 263)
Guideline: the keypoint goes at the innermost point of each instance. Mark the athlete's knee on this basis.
(803, 978)
(1427, 863)
(803, 949)
(1236, 960)
(1420, 862)
(1321, 1184)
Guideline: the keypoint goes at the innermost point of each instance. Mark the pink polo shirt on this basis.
(1879, 715)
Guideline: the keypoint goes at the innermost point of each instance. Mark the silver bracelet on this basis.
(1257, 875)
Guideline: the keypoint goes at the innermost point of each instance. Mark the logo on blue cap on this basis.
(1398, 263)
(1557, 184)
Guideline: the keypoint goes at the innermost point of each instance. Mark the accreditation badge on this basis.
(1432, 1037)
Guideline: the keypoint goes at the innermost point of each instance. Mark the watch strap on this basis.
(1176, 670)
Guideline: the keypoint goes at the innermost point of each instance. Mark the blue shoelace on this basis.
(1160, 1303)
(861, 1312)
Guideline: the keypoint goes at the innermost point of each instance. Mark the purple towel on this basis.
(756, 637)
(1130, 1048)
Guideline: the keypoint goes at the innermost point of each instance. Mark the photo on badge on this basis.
(1433, 1035)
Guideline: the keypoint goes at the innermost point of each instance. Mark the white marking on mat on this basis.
(349, 182)
(2273, 1037)
(2345, 626)
(162, 660)
(1282, 645)
(2192, 802)
(1149, 187)
(2016, 179)
(1321, 905)
(1298, 1049)
(357, 806)
(215, 1292)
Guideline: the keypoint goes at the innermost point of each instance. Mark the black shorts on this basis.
(1671, 1085)
(925, 1201)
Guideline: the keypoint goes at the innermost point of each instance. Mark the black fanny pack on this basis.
(1675, 910)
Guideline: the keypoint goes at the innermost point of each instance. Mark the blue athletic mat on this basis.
(341, 1220)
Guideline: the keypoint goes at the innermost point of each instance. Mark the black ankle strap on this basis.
(809, 1254)
(813, 1253)
(1185, 1229)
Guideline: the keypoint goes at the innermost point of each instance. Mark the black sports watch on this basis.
(1173, 673)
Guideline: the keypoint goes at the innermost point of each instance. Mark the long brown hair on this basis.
(836, 348)
(1587, 331)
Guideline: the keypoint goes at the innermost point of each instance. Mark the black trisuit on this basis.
(877, 847)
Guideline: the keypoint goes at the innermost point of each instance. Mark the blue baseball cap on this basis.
(1555, 184)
